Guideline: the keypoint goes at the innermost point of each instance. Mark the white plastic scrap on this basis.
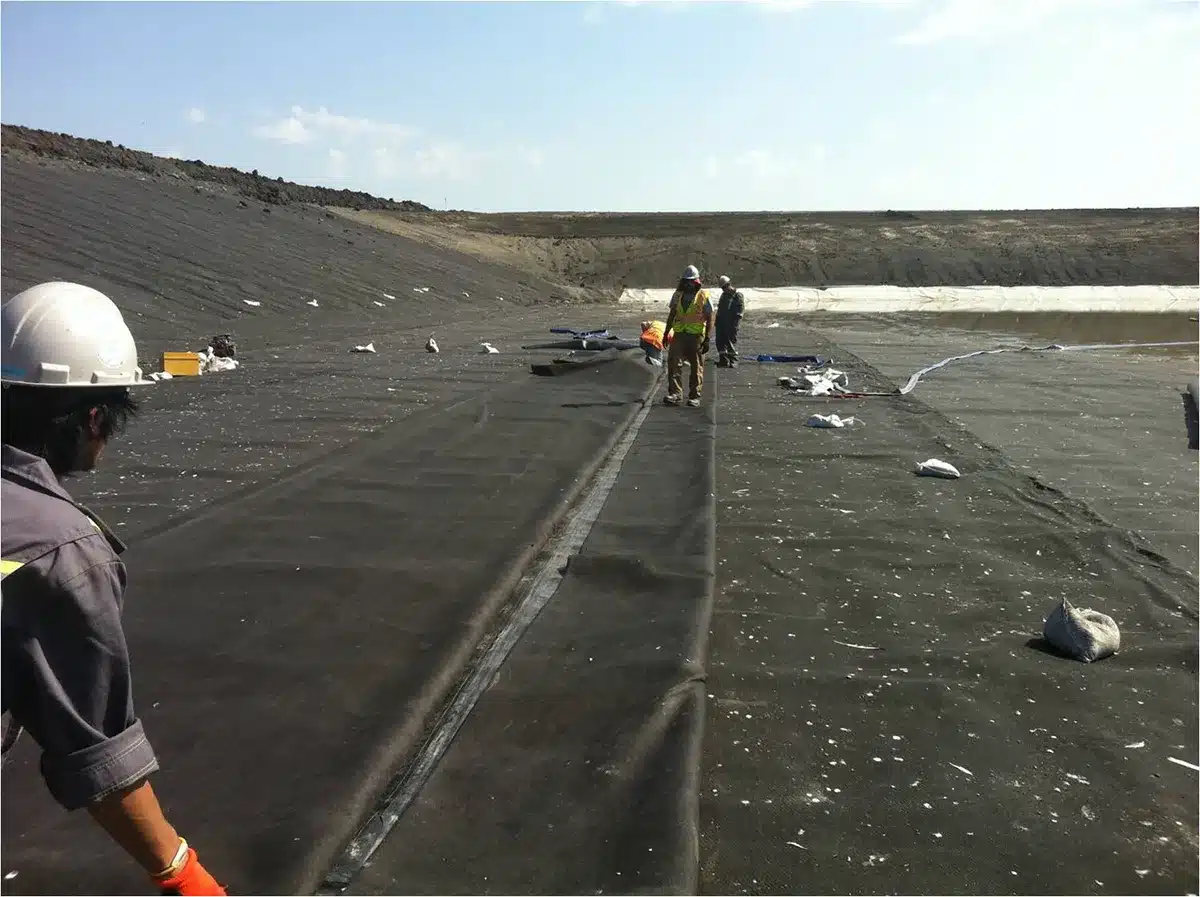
(369, 347)
(312, 302)
(935, 468)
(386, 296)
(813, 382)
(420, 289)
(488, 349)
(380, 304)
(465, 293)
(830, 421)
(1184, 763)
(432, 346)
(252, 302)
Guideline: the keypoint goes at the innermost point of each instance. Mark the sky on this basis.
(639, 106)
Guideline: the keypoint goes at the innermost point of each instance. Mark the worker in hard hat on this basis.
(731, 305)
(690, 320)
(654, 337)
(69, 373)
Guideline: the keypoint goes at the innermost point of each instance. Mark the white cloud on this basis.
(337, 163)
(955, 20)
(196, 115)
(287, 130)
(308, 125)
(387, 166)
(447, 160)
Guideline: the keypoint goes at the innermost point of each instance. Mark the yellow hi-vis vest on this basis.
(654, 333)
(692, 318)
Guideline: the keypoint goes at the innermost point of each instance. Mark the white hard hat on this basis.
(723, 280)
(66, 334)
(691, 273)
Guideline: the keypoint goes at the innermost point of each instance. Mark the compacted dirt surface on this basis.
(779, 662)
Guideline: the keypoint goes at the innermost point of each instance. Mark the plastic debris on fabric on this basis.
(380, 304)
(312, 302)
(432, 346)
(465, 293)
(386, 296)
(830, 421)
(772, 325)
(160, 375)
(1184, 763)
(935, 468)
(420, 289)
(252, 302)
(817, 382)
(488, 349)
(369, 347)
(1086, 635)
(211, 363)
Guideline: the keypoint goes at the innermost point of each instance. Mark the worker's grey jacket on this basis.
(65, 663)
(730, 308)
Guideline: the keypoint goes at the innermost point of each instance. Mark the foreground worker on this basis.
(654, 337)
(69, 362)
(690, 321)
(730, 307)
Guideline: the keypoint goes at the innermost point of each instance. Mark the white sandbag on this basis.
(1085, 635)
(935, 468)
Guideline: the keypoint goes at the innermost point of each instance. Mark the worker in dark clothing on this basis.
(69, 363)
(730, 308)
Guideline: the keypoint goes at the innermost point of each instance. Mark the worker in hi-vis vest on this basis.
(654, 338)
(690, 320)
(68, 369)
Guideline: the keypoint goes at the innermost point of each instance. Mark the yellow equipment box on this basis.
(181, 364)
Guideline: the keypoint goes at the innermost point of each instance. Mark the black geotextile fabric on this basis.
(291, 642)
(577, 772)
(883, 715)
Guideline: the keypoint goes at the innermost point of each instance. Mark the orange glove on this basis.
(190, 878)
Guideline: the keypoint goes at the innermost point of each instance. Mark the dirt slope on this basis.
(601, 253)
(1045, 248)
(183, 261)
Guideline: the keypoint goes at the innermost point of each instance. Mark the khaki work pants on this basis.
(685, 347)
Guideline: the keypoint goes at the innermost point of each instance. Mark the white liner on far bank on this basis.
(987, 299)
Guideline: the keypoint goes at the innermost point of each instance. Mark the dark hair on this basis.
(54, 422)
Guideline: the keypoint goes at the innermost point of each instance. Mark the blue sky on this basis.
(627, 106)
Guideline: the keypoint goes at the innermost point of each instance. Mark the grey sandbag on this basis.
(1085, 635)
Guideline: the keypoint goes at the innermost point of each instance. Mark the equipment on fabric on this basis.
(67, 334)
(793, 359)
(599, 333)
